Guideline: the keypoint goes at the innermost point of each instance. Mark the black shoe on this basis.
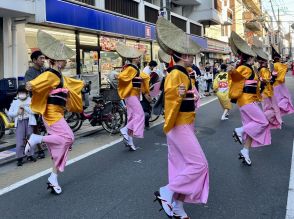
(31, 158)
(19, 162)
(41, 154)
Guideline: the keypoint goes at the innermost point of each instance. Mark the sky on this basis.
(286, 11)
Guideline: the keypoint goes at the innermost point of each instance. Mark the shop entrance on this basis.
(89, 66)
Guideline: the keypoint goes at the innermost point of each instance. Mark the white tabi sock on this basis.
(53, 179)
(178, 208)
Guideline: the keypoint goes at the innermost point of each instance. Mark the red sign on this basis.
(147, 31)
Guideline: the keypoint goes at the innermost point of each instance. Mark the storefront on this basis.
(217, 51)
(95, 41)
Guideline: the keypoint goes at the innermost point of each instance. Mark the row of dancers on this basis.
(188, 175)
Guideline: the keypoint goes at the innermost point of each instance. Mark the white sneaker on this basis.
(32, 142)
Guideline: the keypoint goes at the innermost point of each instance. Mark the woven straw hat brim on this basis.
(163, 57)
(241, 45)
(174, 38)
(128, 51)
(53, 48)
(163, 47)
(233, 47)
(259, 52)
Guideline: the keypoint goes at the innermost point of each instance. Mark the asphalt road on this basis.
(116, 183)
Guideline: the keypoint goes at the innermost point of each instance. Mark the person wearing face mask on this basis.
(24, 119)
(131, 85)
(188, 178)
(244, 89)
(52, 94)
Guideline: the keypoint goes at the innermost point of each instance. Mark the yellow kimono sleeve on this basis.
(45, 81)
(145, 83)
(172, 100)
(265, 74)
(125, 81)
(282, 71)
(237, 79)
(215, 84)
(41, 87)
(74, 101)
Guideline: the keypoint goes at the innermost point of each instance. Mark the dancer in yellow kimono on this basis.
(188, 178)
(221, 86)
(244, 88)
(52, 93)
(281, 92)
(131, 85)
(269, 103)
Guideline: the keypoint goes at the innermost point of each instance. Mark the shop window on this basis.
(180, 23)
(66, 36)
(195, 29)
(109, 59)
(89, 40)
(151, 14)
(125, 7)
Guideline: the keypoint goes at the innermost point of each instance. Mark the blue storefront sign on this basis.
(73, 14)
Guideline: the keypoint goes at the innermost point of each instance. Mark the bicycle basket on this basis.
(110, 94)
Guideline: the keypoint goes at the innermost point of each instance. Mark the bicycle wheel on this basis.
(114, 117)
(73, 120)
(2, 128)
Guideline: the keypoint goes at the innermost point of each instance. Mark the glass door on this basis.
(90, 66)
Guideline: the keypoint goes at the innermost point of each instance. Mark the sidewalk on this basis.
(8, 141)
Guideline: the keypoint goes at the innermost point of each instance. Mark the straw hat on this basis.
(259, 52)
(128, 51)
(233, 47)
(275, 54)
(163, 57)
(173, 39)
(53, 48)
(241, 45)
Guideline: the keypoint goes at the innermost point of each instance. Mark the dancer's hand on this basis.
(182, 90)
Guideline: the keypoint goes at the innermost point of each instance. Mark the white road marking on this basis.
(71, 161)
(290, 201)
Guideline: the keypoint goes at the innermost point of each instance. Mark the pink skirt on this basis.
(284, 100)
(255, 125)
(60, 137)
(187, 165)
(272, 112)
(136, 116)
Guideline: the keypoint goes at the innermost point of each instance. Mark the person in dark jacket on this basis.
(38, 60)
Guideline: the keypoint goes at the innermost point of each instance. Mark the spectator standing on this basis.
(24, 119)
(38, 60)
(150, 67)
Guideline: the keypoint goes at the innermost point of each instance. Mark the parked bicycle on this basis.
(106, 112)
